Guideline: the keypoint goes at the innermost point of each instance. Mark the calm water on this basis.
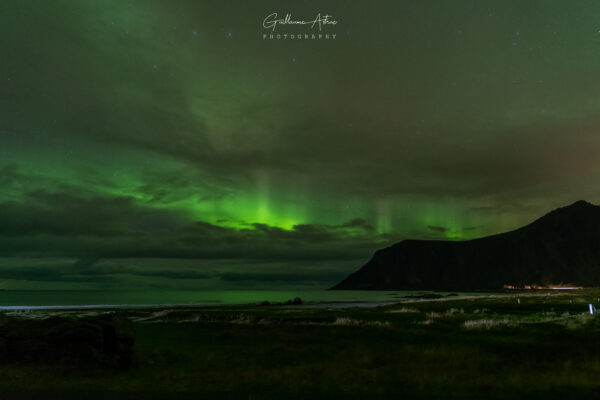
(21, 298)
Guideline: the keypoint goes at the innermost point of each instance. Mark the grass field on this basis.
(546, 346)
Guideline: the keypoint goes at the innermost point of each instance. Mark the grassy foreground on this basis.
(546, 346)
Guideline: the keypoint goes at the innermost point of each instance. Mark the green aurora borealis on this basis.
(166, 144)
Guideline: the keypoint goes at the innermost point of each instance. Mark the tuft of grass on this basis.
(404, 310)
(487, 323)
(344, 321)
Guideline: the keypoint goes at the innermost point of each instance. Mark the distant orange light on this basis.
(539, 287)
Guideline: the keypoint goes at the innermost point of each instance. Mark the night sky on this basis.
(168, 144)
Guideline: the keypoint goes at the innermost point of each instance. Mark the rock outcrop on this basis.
(101, 340)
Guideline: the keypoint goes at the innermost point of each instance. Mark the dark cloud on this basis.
(283, 277)
(437, 228)
(91, 227)
(168, 272)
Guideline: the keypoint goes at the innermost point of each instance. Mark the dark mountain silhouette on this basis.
(562, 247)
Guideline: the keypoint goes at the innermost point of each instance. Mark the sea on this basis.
(65, 299)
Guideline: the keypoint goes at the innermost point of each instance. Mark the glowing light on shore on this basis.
(540, 287)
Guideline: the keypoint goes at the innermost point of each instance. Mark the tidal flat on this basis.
(512, 344)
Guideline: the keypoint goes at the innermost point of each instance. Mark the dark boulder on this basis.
(102, 340)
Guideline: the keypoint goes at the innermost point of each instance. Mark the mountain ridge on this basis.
(561, 247)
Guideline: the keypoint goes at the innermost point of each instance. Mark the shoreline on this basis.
(308, 304)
